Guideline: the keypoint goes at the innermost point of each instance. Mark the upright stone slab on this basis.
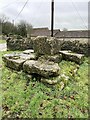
(46, 45)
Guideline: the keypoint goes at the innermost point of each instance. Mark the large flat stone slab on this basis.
(46, 45)
(75, 57)
(15, 60)
(42, 68)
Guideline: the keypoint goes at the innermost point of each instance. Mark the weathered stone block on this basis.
(61, 79)
(54, 58)
(13, 61)
(44, 45)
(42, 68)
(51, 81)
(68, 55)
(16, 60)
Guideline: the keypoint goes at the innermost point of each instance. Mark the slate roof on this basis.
(40, 32)
(59, 34)
(72, 34)
(43, 32)
(54, 32)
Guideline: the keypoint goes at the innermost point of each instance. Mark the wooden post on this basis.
(52, 17)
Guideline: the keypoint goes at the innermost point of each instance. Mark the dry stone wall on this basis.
(19, 43)
(79, 45)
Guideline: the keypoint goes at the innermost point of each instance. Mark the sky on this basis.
(70, 14)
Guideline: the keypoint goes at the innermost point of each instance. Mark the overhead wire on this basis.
(39, 7)
(21, 10)
(79, 14)
(81, 27)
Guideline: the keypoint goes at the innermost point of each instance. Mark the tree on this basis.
(21, 29)
(6, 26)
(29, 29)
(24, 28)
(3, 18)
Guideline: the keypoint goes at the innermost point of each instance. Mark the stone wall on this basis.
(79, 45)
(19, 43)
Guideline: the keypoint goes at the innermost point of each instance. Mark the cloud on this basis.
(38, 12)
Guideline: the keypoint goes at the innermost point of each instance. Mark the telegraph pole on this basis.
(52, 17)
(13, 22)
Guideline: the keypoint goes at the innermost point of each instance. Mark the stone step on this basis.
(74, 57)
(42, 68)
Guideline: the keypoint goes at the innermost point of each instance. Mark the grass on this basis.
(2, 41)
(27, 98)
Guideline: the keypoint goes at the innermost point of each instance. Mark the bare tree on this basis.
(3, 18)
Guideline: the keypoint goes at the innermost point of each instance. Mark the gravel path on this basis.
(3, 47)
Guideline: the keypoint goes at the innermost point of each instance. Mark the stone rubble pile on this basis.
(43, 60)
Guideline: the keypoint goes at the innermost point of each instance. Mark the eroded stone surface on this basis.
(54, 58)
(46, 46)
(54, 80)
(28, 51)
(13, 61)
(68, 55)
(30, 56)
(51, 81)
(19, 43)
(42, 68)
(16, 60)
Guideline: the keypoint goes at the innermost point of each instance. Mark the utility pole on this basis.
(13, 22)
(52, 17)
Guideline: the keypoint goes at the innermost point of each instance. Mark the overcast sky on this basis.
(70, 14)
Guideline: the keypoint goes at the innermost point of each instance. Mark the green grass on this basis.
(2, 41)
(37, 100)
